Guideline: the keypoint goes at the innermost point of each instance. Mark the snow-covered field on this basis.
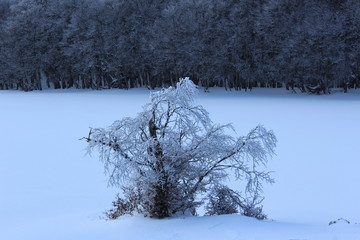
(49, 188)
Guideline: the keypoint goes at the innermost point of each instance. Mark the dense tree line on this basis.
(306, 45)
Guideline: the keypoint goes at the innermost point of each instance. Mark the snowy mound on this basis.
(51, 190)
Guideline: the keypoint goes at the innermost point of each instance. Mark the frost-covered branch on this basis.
(171, 152)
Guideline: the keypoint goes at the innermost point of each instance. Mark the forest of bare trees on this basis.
(302, 45)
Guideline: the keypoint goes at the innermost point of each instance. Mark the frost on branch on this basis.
(171, 153)
(223, 200)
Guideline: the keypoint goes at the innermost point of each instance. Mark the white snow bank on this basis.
(51, 190)
(189, 228)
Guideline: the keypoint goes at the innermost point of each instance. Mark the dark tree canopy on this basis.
(235, 44)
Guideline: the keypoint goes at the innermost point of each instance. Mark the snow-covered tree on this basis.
(4, 12)
(223, 200)
(172, 152)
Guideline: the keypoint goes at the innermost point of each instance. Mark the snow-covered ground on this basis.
(49, 188)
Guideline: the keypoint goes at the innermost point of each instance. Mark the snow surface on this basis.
(51, 190)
